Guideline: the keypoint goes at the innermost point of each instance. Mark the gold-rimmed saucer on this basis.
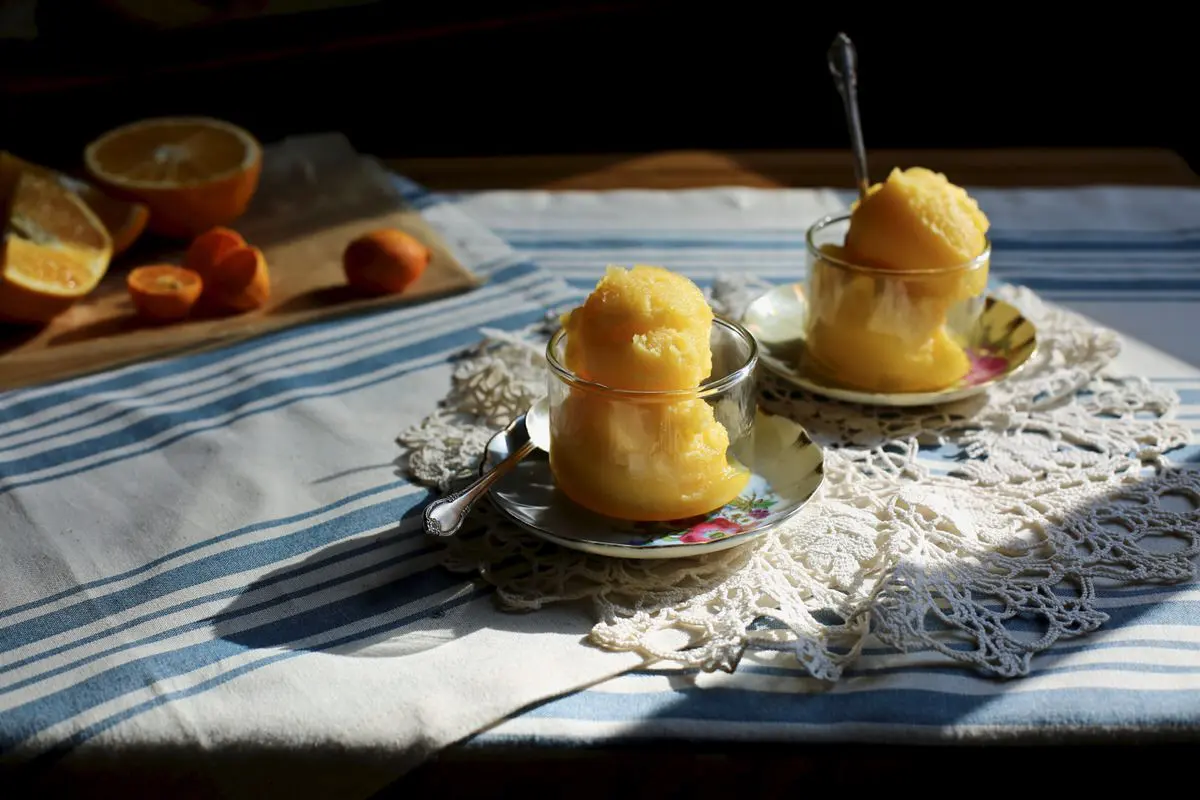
(1003, 342)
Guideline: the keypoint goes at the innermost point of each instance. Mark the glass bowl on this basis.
(653, 456)
(885, 330)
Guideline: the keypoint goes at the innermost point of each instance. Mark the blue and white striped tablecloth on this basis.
(215, 554)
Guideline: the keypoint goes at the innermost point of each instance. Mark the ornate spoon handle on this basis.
(843, 65)
(444, 516)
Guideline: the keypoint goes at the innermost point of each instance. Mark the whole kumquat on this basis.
(385, 261)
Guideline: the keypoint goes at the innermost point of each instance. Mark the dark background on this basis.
(406, 79)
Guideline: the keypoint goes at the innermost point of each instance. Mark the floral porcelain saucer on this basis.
(1004, 342)
(787, 470)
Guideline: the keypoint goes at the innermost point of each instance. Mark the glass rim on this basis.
(707, 387)
(832, 219)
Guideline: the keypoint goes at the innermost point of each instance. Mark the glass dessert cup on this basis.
(654, 456)
(884, 330)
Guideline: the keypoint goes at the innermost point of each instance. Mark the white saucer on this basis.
(1004, 342)
(787, 470)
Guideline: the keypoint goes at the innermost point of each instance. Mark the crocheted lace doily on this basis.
(1059, 487)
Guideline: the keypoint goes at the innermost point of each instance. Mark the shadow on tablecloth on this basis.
(382, 595)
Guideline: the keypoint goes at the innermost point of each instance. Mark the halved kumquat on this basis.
(164, 292)
(210, 247)
(240, 281)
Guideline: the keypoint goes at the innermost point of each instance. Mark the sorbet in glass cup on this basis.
(651, 399)
(896, 287)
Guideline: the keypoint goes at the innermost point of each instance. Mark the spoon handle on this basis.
(843, 65)
(443, 517)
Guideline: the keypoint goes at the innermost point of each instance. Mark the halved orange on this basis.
(194, 173)
(123, 219)
(55, 251)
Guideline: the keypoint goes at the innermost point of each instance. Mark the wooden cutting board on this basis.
(315, 195)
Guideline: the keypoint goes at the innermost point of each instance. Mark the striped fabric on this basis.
(217, 550)
(1129, 258)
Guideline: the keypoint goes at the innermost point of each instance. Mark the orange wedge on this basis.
(124, 220)
(194, 173)
(55, 251)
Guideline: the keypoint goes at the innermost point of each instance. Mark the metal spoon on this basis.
(444, 516)
(843, 64)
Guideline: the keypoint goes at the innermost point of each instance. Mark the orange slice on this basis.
(55, 251)
(163, 291)
(124, 220)
(194, 173)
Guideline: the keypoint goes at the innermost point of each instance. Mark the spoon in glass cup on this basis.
(843, 66)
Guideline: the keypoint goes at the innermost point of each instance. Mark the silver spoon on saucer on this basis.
(444, 516)
(843, 65)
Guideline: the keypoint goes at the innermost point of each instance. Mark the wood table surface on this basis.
(826, 168)
(657, 769)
